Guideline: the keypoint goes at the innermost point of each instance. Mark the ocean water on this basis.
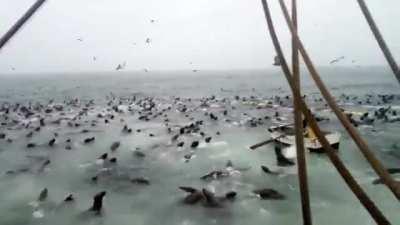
(165, 165)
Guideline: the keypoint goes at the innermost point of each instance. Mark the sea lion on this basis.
(114, 146)
(194, 144)
(268, 193)
(216, 174)
(180, 144)
(266, 170)
(69, 198)
(113, 160)
(31, 145)
(89, 140)
(103, 156)
(208, 198)
(51, 142)
(44, 165)
(43, 195)
(139, 154)
(98, 202)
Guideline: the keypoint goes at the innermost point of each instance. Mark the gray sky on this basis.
(186, 34)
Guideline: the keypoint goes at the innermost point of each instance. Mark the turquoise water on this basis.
(164, 165)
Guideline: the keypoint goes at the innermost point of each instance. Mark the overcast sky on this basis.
(186, 34)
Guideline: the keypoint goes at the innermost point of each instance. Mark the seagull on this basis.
(121, 66)
(336, 60)
(277, 61)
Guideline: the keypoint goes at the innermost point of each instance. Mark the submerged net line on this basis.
(369, 205)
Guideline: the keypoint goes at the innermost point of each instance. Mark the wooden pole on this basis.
(11, 32)
(301, 159)
(379, 38)
(369, 205)
(362, 145)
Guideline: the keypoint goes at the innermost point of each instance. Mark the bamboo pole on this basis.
(379, 38)
(362, 145)
(369, 205)
(11, 32)
(301, 159)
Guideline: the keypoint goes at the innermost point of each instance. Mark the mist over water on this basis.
(165, 165)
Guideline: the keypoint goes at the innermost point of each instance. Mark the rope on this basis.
(301, 159)
(336, 161)
(11, 32)
(362, 145)
(378, 36)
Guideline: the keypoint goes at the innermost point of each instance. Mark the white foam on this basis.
(290, 152)
(38, 214)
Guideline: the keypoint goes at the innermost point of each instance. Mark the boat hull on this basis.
(314, 146)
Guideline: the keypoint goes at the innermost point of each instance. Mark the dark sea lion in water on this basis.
(139, 154)
(194, 144)
(268, 193)
(52, 142)
(216, 174)
(281, 159)
(89, 140)
(29, 135)
(210, 199)
(69, 198)
(194, 195)
(94, 179)
(98, 202)
(44, 165)
(115, 145)
(41, 121)
(2, 135)
(208, 139)
(43, 195)
(113, 160)
(126, 129)
(31, 145)
(103, 156)
(266, 170)
(180, 144)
